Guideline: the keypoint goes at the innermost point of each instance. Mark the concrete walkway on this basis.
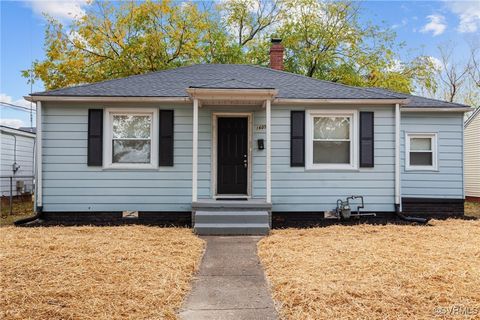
(230, 283)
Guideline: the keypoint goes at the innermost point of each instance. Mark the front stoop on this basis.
(231, 218)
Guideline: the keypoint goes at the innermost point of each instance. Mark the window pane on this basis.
(131, 151)
(421, 159)
(420, 144)
(127, 126)
(331, 152)
(331, 127)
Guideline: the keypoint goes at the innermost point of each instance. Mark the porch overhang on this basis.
(232, 96)
(227, 96)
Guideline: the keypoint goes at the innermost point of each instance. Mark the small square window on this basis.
(421, 153)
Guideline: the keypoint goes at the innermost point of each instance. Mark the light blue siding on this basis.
(298, 189)
(70, 185)
(447, 182)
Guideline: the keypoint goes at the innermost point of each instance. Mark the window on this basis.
(331, 140)
(421, 151)
(130, 139)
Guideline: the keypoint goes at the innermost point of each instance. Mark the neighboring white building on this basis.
(472, 156)
(16, 160)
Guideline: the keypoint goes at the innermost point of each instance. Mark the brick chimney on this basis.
(276, 54)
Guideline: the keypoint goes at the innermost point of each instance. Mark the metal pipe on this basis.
(409, 219)
(11, 195)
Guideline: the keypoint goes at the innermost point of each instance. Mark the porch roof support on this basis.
(398, 203)
(268, 173)
(195, 151)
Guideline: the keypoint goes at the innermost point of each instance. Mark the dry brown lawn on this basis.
(472, 209)
(21, 208)
(131, 272)
(375, 272)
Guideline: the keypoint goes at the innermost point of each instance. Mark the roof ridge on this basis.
(319, 80)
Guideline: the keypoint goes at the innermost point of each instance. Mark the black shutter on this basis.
(366, 140)
(297, 138)
(165, 144)
(95, 137)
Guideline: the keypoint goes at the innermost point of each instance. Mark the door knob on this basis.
(245, 164)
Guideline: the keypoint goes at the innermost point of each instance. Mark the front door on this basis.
(232, 155)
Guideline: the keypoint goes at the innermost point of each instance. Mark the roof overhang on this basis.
(231, 94)
(18, 132)
(340, 101)
(433, 109)
(107, 99)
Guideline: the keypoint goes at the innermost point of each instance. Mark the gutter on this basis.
(436, 109)
(339, 101)
(34, 98)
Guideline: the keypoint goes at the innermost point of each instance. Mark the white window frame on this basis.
(353, 114)
(108, 136)
(433, 137)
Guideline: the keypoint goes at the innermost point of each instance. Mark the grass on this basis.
(20, 209)
(374, 272)
(472, 209)
(132, 272)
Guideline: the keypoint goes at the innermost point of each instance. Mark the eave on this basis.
(436, 109)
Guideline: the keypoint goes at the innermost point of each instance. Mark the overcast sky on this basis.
(423, 25)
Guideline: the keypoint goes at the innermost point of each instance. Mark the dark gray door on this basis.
(232, 155)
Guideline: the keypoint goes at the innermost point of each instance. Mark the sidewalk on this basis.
(230, 283)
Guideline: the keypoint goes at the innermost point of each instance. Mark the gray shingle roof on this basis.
(230, 84)
(421, 102)
(174, 82)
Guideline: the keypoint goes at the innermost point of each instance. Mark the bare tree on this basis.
(452, 74)
(474, 63)
(250, 17)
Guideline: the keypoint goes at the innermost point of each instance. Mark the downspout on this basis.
(14, 165)
(398, 207)
(398, 197)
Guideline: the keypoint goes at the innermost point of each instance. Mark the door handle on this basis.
(245, 163)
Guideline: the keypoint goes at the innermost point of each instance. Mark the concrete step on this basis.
(231, 228)
(232, 217)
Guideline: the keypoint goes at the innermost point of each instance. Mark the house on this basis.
(16, 161)
(472, 156)
(240, 146)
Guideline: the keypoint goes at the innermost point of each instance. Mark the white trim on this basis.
(214, 143)
(268, 114)
(339, 101)
(17, 132)
(310, 114)
(459, 109)
(38, 144)
(195, 151)
(242, 93)
(397, 157)
(463, 161)
(107, 138)
(434, 146)
(108, 99)
(231, 94)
